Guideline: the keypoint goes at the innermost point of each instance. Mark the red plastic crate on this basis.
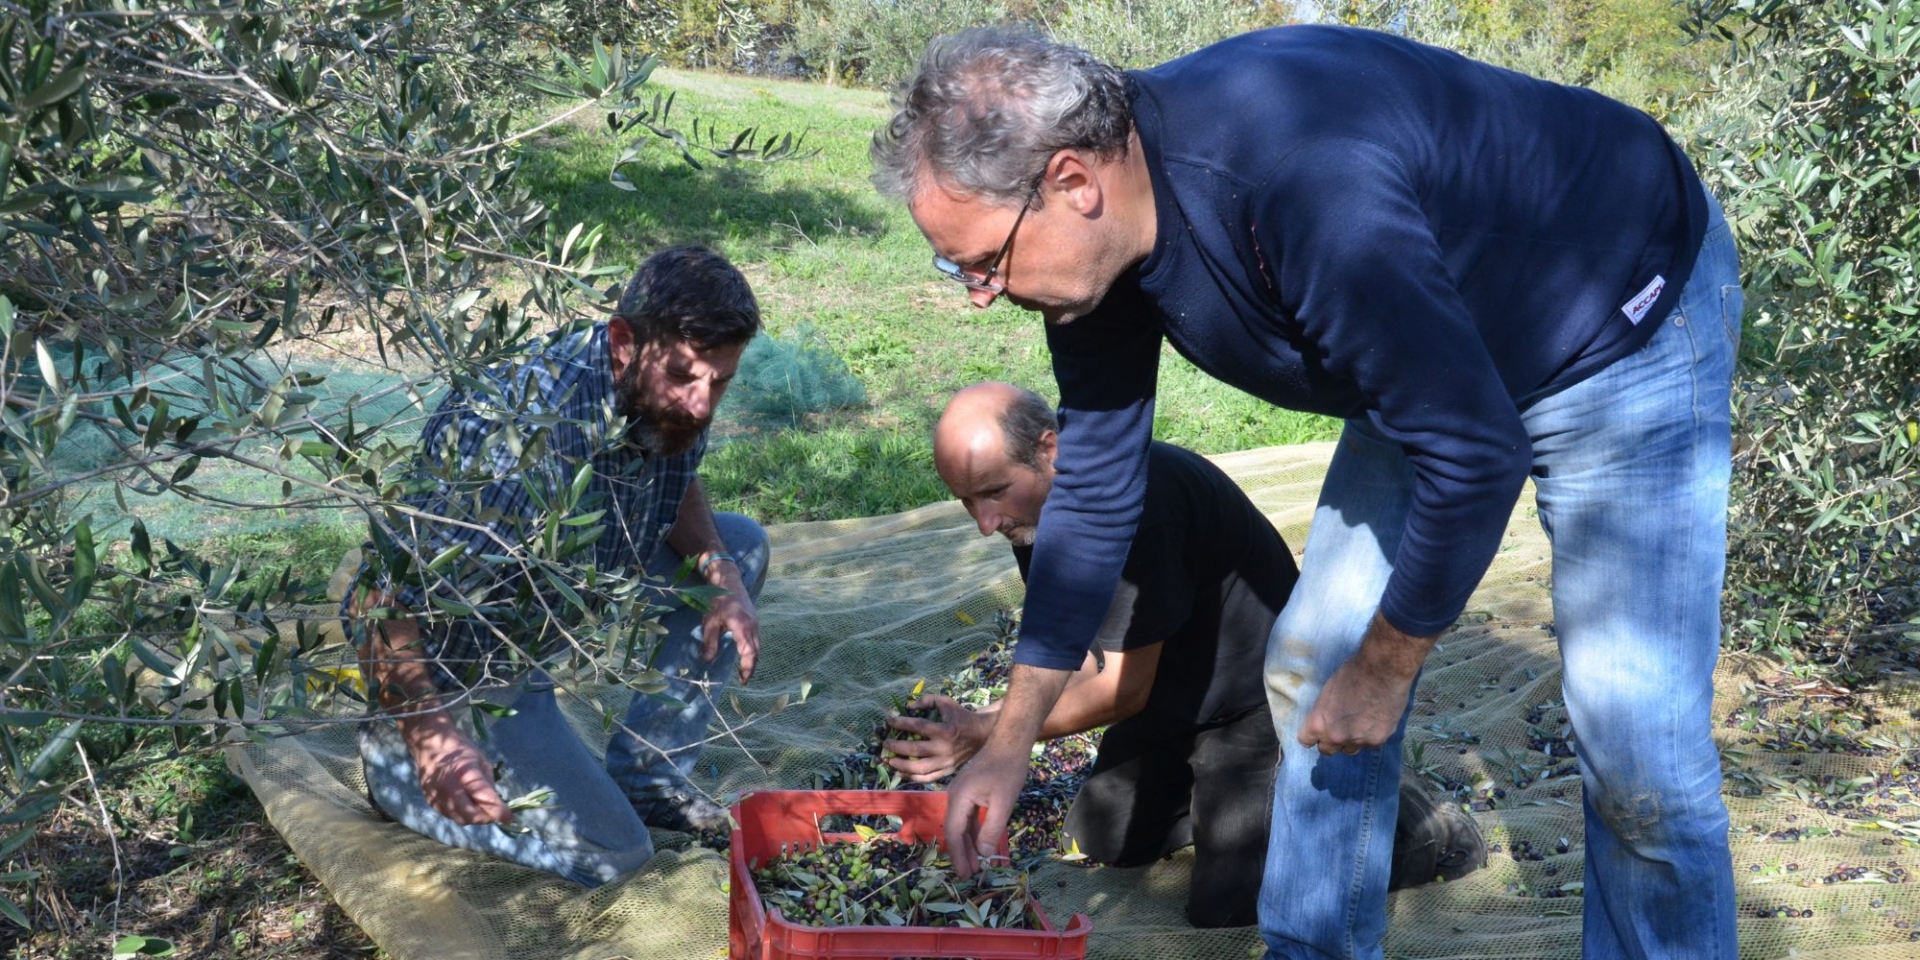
(771, 818)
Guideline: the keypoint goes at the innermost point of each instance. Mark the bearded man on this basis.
(601, 432)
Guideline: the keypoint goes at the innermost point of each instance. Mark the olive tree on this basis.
(1812, 138)
(190, 195)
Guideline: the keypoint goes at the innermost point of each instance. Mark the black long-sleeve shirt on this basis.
(1354, 224)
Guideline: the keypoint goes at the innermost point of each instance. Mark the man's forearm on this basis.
(1363, 702)
(1032, 694)
(397, 670)
(697, 537)
(453, 771)
(1090, 699)
(1393, 651)
(1084, 705)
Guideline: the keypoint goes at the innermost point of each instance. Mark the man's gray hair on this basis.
(989, 106)
(1027, 418)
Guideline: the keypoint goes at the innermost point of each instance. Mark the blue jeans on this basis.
(589, 832)
(1631, 467)
(652, 752)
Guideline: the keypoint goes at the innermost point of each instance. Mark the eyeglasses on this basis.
(958, 273)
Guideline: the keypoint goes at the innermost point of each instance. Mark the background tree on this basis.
(195, 202)
(1812, 136)
(1635, 51)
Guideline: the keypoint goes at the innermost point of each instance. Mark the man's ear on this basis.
(1073, 178)
(1048, 446)
(621, 346)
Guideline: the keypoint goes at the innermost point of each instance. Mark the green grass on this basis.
(825, 251)
(829, 259)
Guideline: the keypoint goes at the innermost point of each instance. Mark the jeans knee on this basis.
(1633, 815)
(1650, 816)
(1288, 668)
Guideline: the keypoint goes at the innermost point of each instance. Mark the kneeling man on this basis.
(612, 421)
(1176, 676)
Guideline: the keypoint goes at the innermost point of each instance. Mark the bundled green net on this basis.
(782, 379)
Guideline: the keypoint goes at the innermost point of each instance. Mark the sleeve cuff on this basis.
(1047, 657)
(1415, 626)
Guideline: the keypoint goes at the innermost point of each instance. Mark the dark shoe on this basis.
(1435, 840)
(683, 813)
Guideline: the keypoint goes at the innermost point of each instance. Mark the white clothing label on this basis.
(1636, 309)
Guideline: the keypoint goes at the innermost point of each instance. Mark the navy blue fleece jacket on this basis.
(1358, 225)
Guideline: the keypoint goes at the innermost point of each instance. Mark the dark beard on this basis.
(653, 431)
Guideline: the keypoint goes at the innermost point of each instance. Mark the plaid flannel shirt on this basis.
(475, 467)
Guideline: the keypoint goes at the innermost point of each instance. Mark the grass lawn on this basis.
(836, 263)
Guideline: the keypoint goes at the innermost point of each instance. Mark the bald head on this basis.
(998, 419)
(994, 448)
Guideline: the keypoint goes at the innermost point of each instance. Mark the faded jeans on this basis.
(1631, 467)
(589, 832)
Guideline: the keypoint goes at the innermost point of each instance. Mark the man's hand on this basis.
(1362, 703)
(990, 783)
(950, 741)
(455, 774)
(732, 613)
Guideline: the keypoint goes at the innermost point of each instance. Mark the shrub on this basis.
(1811, 141)
(1138, 33)
(879, 42)
(1632, 50)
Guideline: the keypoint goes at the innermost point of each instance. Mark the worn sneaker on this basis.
(683, 813)
(1434, 840)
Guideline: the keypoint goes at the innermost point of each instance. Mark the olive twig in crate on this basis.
(879, 880)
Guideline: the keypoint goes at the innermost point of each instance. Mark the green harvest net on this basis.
(858, 609)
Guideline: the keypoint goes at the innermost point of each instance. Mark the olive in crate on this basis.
(879, 880)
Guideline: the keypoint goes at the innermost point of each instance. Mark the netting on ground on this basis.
(858, 609)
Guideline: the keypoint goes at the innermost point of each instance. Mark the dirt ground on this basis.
(190, 860)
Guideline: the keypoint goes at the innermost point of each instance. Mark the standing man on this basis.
(1189, 752)
(615, 419)
(1488, 275)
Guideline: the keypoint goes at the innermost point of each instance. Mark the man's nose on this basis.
(698, 400)
(988, 521)
(982, 298)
